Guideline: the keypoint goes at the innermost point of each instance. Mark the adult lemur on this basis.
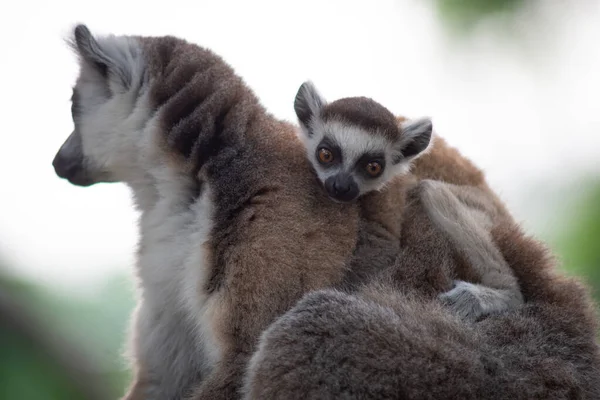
(234, 229)
(358, 147)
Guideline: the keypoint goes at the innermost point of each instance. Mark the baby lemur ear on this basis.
(108, 58)
(415, 137)
(308, 104)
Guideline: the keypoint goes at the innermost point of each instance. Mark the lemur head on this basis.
(104, 110)
(355, 144)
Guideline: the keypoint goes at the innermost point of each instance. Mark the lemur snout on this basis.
(64, 167)
(69, 162)
(342, 187)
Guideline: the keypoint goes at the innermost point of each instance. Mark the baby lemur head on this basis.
(355, 144)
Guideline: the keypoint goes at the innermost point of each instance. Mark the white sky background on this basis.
(527, 113)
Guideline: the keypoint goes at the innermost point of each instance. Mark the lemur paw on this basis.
(472, 301)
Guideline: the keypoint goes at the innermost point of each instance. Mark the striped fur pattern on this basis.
(229, 206)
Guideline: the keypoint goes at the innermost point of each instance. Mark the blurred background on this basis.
(512, 83)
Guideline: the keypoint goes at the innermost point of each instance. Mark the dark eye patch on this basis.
(334, 148)
(365, 159)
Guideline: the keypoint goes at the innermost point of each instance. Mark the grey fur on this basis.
(468, 229)
(427, 245)
(416, 135)
(116, 55)
(472, 301)
(187, 136)
(111, 110)
(228, 206)
(360, 126)
(390, 340)
(308, 104)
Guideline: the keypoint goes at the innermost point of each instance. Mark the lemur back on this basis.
(229, 206)
(380, 343)
(386, 341)
(443, 225)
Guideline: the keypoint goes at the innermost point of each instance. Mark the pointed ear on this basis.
(414, 139)
(111, 58)
(89, 50)
(308, 104)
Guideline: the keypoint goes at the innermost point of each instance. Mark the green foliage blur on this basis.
(58, 347)
(461, 16)
(577, 242)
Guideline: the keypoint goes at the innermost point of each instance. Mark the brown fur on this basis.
(250, 296)
(276, 236)
(174, 122)
(269, 268)
(418, 244)
(430, 260)
(364, 113)
(393, 340)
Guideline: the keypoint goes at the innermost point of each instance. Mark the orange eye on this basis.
(374, 168)
(325, 155)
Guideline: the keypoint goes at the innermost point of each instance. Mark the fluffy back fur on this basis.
(356, 146)
(437, 234)
(229, 206)
(392, 340)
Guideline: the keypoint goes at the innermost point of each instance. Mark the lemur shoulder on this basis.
(229, 206)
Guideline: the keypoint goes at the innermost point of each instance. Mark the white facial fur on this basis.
(112, 116)
(354, 142)
(172, 339)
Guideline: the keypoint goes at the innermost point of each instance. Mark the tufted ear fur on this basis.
(308, 104)
(112, 59)
(414, 139)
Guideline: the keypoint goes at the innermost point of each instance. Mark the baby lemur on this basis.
(361, 152)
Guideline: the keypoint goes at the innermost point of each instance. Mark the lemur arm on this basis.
(466, 214)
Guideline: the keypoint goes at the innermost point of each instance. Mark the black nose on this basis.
(342, 188)
(71, 169)
(69, 162)
(65, 167)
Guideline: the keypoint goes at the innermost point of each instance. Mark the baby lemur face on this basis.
(355, 144)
